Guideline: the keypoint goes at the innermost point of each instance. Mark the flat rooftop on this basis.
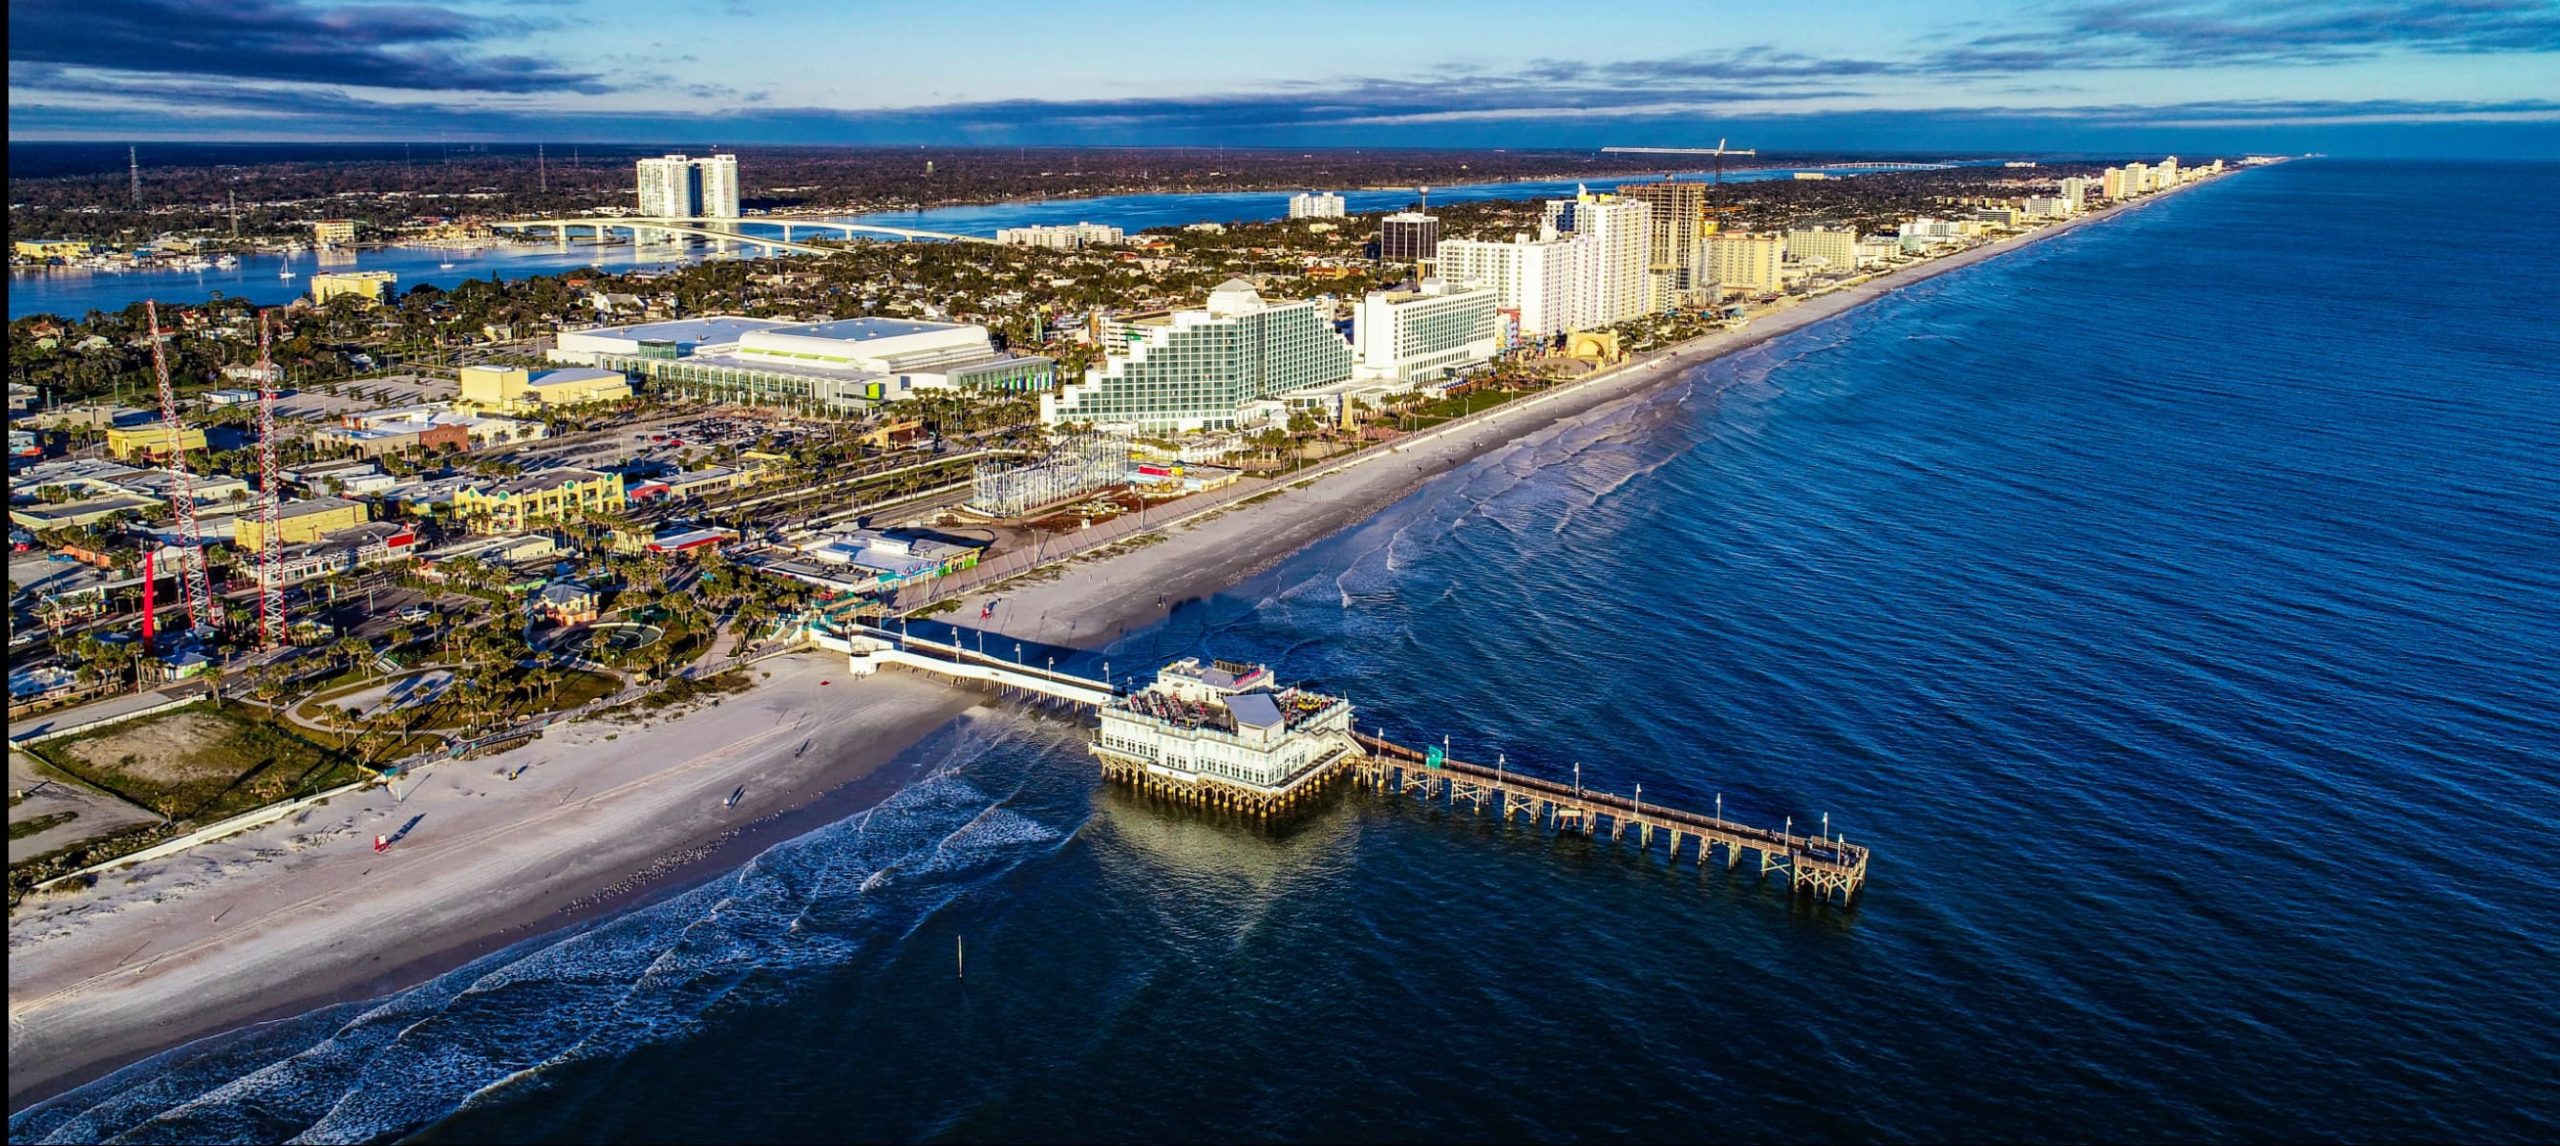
(866, 329)
(708, 330)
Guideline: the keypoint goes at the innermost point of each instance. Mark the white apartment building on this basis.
(1618, 285)
(1317, 205)
(1534, 279)
(1063, 237)
(1423, 334)
(1837, 247)
(2076, 190)
(1746, 260)
(680, 187)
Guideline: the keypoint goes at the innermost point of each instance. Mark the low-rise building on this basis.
(510, 504)
(300, 522)
(498, 549)
(481, 428)
(514, 389)
(45, 249)
(152, 440)
(364, 546)
(40, 516)
(384, 438)
(693, 484)
(566, 603)
(878, 560)
(371, 286)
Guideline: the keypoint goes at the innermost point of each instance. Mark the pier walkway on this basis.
(868, 650)
(1823, 865)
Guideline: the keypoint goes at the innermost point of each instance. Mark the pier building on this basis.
(1225, 734)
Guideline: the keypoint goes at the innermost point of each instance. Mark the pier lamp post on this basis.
(1639, 799)
(1786, 835)
(1017, 654)
(1577, 779)
(1719, 807)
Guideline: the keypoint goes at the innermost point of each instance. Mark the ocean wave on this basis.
(362, 1072)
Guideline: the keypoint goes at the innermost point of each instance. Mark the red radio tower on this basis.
(182, 493)
(271, 617)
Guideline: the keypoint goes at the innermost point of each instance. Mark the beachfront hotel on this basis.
(1225, 726)
(1187, 370)
(1424, 334)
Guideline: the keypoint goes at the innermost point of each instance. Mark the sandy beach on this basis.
(605, 813)
(303, 912)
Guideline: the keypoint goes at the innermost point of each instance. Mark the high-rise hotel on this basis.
(1196, 369)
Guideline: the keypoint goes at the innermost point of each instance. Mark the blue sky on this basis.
(2421, 77)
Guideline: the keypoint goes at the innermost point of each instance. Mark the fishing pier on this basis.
(1227, 737)
(1822, 865)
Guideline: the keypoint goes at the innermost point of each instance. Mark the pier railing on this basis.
(1823, 865)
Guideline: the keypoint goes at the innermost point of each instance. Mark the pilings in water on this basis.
(1217, 795)
(1823, 866)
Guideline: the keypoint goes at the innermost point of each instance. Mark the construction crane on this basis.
(182, 493)
(271, 615)
(1719, 151)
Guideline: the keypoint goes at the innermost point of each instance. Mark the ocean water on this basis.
(2172, 605)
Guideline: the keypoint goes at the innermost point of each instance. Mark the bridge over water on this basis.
(727, 230)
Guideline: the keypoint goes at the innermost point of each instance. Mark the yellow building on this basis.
(510, 505)
(330, 232)
(1745, 260)
(371, 286)
(52, 248)
(300, 522)
(516, 389)
(152, 440)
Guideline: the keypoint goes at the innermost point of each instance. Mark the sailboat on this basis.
(286, 273)
(444, 266)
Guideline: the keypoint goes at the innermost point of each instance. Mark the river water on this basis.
(2170, 605)
(74, 291)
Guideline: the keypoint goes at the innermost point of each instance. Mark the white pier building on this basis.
(1225, 734)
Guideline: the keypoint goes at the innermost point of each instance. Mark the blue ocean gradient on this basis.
(2172, 605)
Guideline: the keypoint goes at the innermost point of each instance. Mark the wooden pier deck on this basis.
(1822, 866)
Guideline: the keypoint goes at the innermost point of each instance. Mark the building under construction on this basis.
(1073, 467)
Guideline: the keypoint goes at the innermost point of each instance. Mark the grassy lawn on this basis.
(200, 763)
(1450, 409)
(44, 823)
